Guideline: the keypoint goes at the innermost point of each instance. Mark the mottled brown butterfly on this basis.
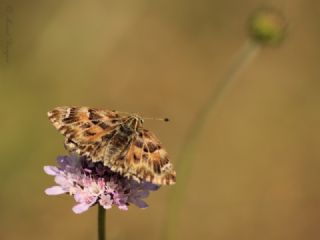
(116, 139)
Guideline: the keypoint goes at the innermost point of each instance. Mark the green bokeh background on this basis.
(256, 171)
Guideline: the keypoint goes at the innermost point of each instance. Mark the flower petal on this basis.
(55, 190)
(139, 203)
(51, 170)
(80, 208)
(150, 186)
(106, 201)
(142, 194)
(123, 207)
(106, 206)
(62, 180)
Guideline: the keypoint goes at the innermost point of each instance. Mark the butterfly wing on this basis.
(87, 130)
(147, 160)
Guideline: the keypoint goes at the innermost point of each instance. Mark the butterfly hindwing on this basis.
(150, 160)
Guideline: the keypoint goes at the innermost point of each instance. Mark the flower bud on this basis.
(267, 25)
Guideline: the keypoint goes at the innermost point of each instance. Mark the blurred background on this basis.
(256, 171)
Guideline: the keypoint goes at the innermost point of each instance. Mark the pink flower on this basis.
(92, 183)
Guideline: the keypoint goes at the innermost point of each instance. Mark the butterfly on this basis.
(116, 139)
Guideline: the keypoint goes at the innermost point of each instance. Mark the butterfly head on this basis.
(134, 122)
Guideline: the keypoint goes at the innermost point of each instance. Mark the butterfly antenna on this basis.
(158, 119)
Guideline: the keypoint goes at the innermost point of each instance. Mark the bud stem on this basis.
(187, 154)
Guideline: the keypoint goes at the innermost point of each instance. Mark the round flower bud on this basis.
(267, 25)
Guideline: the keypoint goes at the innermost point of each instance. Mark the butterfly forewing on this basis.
(107, 136)
(84, 128)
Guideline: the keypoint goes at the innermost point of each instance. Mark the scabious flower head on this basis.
(93, 183)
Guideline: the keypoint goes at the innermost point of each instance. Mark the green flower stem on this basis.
(101, 223)
(187, 154)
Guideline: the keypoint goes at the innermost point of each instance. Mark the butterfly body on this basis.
(117, 140)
